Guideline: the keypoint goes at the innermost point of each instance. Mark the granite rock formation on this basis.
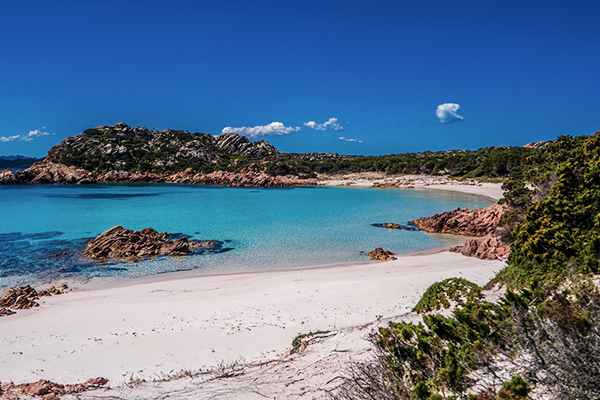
(52, 290)
(46, 389)
(476, 222)
(490, 247)
(124, 243)
(50, 172)
(480, 222)
(121, 147)
(233, 143)
(19, 298)
(380, 254)
(24, 297)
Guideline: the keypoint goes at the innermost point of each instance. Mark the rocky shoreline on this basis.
(481, 223)
(48, 390)
(24, 298)
(48, 172)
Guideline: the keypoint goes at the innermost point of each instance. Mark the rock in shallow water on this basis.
(381, 255)
(125, 243)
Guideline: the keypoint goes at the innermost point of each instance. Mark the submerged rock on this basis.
(394, 226)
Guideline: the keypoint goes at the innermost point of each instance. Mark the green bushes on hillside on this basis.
(561, 233)
(548, 322)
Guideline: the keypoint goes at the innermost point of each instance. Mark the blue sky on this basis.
(505, 73)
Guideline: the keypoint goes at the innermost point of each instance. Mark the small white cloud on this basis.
(447, 113)
(332, 123)
(350, 140)
(273, 129)
(25, 138)
(37, 133)
(9, 138)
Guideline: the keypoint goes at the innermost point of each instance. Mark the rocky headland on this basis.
(476, 222)
(120, 153)
(479, 222)
(47, 172)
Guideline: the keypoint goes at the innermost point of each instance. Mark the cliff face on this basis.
(123, 148)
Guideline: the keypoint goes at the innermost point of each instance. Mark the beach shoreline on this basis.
(173, 322)
(149, 329)
(490, 191)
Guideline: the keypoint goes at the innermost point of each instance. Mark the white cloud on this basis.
(447, 113)
(37, 133)
(350, 140)
(25, 138)
(273, 129)
(9, 139)
(332, 123)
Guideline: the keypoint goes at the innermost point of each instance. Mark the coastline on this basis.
(177, 322)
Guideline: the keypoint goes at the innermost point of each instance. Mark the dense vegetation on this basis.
(120, 147)
(105, 149)
(543, 335)
(561, 233)
(439, 294)
(486, 162)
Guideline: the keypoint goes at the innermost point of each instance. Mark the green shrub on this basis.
(515, 389)
(298, 339)
(439, 294)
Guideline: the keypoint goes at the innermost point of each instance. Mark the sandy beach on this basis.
(156, 329)
(491, 191)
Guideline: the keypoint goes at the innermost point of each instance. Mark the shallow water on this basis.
(260, 228)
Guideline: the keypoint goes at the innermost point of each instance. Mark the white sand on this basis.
(158, 328)
(491, 191)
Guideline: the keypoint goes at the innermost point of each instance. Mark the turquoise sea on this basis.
(259, 228)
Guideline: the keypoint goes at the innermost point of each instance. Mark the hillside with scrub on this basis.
(123, 148)
(541, 337)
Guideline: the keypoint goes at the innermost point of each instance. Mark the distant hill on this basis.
(17, 162)
(138, 150)
(121, 147)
